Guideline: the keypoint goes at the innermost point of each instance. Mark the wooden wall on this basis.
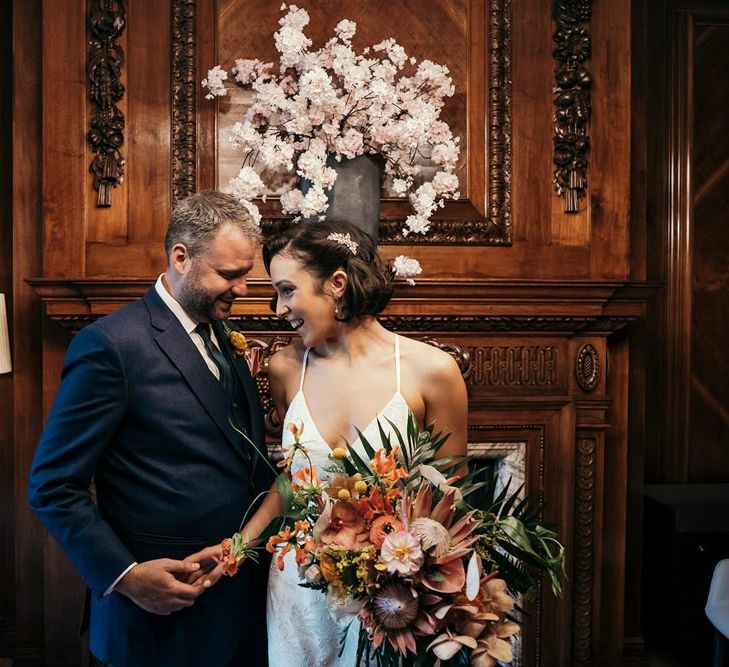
(537, 307)
(686, 156)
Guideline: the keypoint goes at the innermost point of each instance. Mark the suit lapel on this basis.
(250, 388)
(177, 345)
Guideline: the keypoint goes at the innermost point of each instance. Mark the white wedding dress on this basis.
(301, 630)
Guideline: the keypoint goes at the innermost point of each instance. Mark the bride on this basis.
(346, 371)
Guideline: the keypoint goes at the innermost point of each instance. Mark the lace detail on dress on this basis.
(301, 630)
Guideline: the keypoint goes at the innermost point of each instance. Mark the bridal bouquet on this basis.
(393, 540)
(333, 101)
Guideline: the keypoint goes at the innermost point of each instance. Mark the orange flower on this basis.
(328, 568)
(295, 430)
(385, 465)
(275, 540)
(373, 505)
(285, 541)
(382, 527)
(238, 342)
(347, 529)
(305, 478)
(230, 562)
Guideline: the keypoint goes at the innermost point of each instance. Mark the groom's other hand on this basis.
(156, 586)
(210, 565)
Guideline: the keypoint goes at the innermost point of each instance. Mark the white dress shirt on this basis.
(188, 324)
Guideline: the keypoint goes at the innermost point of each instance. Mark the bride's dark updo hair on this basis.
(369, 279)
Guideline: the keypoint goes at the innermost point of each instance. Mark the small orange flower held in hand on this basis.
(230, 562)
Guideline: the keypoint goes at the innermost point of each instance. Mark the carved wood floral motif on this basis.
(106, 22)
(572, 105)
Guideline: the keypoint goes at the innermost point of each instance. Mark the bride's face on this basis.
(303, 301)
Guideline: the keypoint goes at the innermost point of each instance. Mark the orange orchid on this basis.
(285, 541)
(295, 430)
(386, 466)
(306, 479)
(374, 505)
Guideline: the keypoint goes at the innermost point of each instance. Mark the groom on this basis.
(146, 408)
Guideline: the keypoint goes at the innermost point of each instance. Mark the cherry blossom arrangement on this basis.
(333, 101)
(393, 541)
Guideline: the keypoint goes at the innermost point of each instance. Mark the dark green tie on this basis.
(226, 372)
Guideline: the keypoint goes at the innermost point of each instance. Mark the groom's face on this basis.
(213, 279)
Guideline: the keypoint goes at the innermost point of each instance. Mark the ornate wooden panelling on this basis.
(107, 20)
(184, 97)
(572, 99)
(587, 367)
(515, 366)
(583, 575)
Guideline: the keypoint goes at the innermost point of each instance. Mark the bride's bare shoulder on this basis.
(286, 362)
(426, 357)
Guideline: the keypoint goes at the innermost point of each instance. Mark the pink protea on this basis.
(397, 613)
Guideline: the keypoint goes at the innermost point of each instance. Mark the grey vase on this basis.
(355, 195)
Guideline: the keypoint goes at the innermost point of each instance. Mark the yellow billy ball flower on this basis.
(344, 494)
(339, 453)
(360, 486)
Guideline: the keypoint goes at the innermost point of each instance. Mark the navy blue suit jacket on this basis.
(139, 412)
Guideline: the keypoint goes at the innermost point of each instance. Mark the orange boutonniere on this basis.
(236, 339)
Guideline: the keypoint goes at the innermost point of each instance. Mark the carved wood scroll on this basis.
(184, 107)
(572, 105)
(106, 22)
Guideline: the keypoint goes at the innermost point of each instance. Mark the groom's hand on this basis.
(157, 587)
(210, 565)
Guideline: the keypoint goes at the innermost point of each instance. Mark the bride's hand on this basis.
(211, 566)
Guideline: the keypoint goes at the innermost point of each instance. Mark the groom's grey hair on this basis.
(195, 221)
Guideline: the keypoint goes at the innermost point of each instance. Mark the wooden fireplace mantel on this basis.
(445, 305)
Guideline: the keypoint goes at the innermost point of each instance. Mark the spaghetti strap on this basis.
(397, 361)
(303, 369)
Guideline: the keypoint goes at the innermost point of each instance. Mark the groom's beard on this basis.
(199, 303)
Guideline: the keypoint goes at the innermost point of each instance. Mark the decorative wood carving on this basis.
(584, 549)
(572, 105)
(587, 367)
(499, 119)
(264, 351)
(410, 324)
(531, 365)
(184, 99)
(106, 21)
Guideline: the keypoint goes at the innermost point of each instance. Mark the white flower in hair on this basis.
(345, 240)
